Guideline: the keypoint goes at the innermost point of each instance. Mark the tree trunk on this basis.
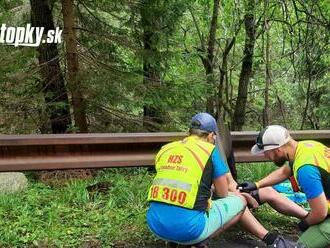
(208, 61)
(78, 102)
(151, 81)
(53, 88)
(224, 81)
(227, 145)
(246, 71)
(265, 116)
(307, 94)
(152, 115)
(309, 67)
(281, 104)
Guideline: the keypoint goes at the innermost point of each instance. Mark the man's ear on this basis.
(279, 150)
(210, 138)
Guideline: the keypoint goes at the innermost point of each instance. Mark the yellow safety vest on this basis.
(312, 153)
(180, 167)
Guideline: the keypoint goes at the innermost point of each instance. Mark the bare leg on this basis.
(281, 203)
(252, 225)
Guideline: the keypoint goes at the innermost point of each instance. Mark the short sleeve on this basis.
(309, 179)
(219, 166)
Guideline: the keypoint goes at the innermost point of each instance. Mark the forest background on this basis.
(136, 66)
(148, 66)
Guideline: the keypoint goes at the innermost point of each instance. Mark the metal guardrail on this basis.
(73, 151)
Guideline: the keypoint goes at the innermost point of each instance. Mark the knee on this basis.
(242, 198)
(267, 194)
(244, 201)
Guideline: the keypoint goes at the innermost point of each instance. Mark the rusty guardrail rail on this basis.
(69, 151)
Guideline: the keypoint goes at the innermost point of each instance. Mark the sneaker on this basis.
(281, 242)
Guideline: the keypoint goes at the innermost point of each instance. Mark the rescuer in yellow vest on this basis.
(309, 171)
(181, 210)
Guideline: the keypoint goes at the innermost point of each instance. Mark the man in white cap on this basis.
(181, 210)
(309, 169)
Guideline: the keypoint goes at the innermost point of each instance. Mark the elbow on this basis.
(324, 215)
(319, 216)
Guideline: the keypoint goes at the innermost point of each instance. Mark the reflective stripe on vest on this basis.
(313, 153)
(173, 184)
(180, 166)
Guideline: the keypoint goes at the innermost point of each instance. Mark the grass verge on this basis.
(72, 216)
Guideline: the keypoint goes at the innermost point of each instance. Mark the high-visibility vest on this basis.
(180, 167)
(310, 152)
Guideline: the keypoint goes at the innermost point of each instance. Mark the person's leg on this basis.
(227, 225)
(280, 203)
(253, 226)
(229, 209)
(223, 213)
(317, 236)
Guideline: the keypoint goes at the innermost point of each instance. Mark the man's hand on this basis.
(247, 187)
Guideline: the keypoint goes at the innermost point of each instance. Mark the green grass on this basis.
(254, 171)
(68, 216)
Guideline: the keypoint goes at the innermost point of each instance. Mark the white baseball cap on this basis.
(270, 138)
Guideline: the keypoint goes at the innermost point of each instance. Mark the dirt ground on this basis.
(236, 243)
(247, 242)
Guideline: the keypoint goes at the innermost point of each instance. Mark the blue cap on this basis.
(205, 122)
